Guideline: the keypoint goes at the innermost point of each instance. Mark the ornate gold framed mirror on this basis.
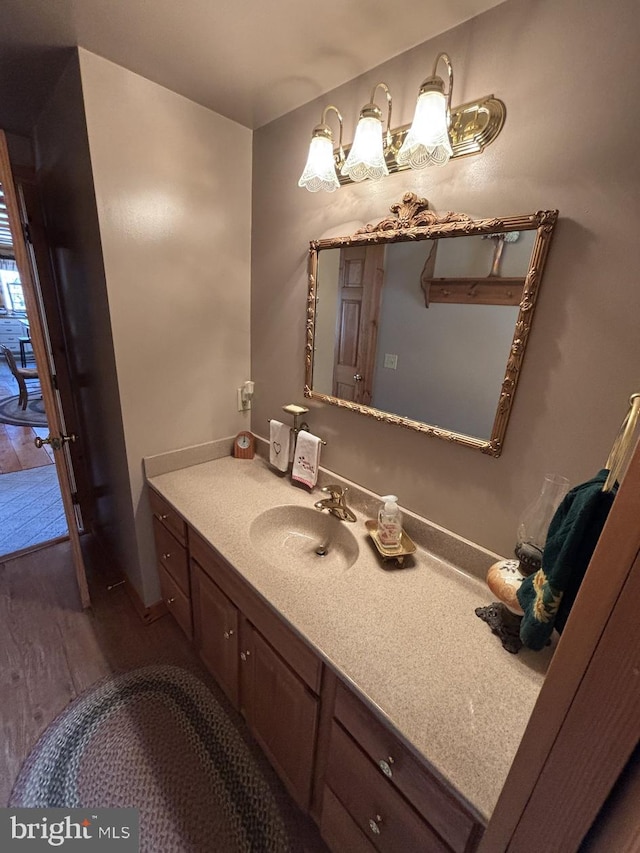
(422, 320)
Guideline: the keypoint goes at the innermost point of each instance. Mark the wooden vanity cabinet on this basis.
(267, 671)
(392, 798)
(170, 535)
(340, 762)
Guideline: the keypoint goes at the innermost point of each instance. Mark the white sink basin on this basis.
(303, 539)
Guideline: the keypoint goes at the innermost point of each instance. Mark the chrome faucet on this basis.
(336, 503)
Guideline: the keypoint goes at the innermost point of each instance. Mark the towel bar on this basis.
(622, 445)
(295, 429)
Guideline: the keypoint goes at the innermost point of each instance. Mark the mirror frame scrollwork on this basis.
(411, 220)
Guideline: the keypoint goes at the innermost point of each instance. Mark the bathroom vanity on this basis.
(387, 707)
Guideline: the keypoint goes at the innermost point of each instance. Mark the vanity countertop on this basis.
(407, 639)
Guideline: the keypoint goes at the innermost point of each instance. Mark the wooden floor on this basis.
(51, 650)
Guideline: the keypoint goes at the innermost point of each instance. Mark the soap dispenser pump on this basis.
(390, 522)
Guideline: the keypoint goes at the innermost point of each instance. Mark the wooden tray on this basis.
(407, 546)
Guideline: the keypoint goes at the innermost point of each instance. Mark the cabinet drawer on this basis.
(11, 341)
(172, 555)
(395, 762)
(177, 602)
(12, 326)
(338, 828)
(294, 650)
(167, 515)
(380, 812)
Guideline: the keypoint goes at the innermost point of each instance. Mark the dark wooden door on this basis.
(60, 340)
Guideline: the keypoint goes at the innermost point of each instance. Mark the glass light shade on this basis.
(320, 171)
(427, 142)
(535, 520)
(366, 158)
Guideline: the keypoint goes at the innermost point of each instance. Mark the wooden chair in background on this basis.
(20, 374)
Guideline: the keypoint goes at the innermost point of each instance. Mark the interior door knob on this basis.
(55, 441)
(357, 377)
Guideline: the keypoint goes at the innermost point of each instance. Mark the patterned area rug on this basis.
(157, 739)
(34, 415)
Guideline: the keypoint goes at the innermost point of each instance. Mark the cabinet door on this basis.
(216, 632)
(281, 712)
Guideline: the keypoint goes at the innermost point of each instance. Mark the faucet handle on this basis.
(335, 491)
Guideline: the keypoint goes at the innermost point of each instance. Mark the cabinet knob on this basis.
(228, 634)
(385, 766)
(166, 556)
(374, 825)
(244, 655)
(160, 516)
(170, 600)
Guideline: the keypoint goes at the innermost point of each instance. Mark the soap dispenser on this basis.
(390, 522)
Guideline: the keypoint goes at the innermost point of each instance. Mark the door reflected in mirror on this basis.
(422, 320)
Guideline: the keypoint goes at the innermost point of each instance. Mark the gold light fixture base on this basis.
(474, 125)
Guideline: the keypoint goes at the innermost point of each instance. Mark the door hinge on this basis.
(27, 232)
(74, 498)
(54, 382)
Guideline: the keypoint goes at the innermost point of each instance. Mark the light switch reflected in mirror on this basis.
(426, 325)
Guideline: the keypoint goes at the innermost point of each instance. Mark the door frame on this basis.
(37, 334)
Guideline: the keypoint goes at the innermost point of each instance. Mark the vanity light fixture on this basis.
(320, 170)
(438, 133)
(427, 143)
(367, 156)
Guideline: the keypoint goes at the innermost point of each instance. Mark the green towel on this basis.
(548, 595)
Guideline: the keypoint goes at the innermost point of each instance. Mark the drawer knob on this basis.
(228, 634)
(244, 655)
(160, 516)
(385, 766)
(166, 556)
(170, 600)
(374, 825)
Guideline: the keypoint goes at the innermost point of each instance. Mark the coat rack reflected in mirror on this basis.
(422, 319)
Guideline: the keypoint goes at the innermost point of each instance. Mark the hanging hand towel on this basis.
(306, 459)
(279, 437)
(548, 595)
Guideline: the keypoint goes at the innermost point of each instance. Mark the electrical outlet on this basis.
(391, 361)
(243, 405)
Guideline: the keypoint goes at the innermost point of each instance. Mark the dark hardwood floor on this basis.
(52, 651)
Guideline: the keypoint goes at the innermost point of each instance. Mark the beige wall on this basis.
(173, 190)
(566, 72)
